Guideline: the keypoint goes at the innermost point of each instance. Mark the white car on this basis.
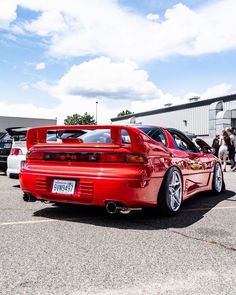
(17, 156)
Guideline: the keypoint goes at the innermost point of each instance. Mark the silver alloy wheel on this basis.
(218, 178)
(175, 191)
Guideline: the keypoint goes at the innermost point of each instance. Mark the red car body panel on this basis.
(131, 184)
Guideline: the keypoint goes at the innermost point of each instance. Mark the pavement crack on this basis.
(213, 242)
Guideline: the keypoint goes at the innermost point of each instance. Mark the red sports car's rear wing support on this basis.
(38, 135)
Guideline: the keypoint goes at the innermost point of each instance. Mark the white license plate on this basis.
(61, 186)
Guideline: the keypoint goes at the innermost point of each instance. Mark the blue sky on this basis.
(60, 57)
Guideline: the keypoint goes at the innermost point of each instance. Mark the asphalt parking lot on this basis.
(47, 249)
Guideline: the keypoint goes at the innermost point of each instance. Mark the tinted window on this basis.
(6, 137)
(182, 142)
(146, 129)
(155, 133)
(101, 136)
(158, 136)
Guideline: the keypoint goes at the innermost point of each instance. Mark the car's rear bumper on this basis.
(133, 190)
(14, 164)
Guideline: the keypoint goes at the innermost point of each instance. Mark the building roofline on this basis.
(199, 103)
(28, 118)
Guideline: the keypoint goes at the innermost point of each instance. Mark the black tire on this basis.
(218, 184)
(168, 203)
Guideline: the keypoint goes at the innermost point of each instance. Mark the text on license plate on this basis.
(61, 186)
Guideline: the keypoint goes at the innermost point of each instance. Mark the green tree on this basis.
(124, 113)
(77, 119)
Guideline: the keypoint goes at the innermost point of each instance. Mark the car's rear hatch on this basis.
(100, 146)
(18, 136)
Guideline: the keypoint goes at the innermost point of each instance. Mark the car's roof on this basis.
(147, 126)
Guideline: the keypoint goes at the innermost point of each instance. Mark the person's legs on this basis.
(225, 156)
(231, 156)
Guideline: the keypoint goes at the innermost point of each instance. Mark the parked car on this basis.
(16, 158)
(5, 148)
(120, 167)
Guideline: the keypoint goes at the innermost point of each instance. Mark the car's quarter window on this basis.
(155, 133)
(125, 137)
(158, 136)
(182, 142)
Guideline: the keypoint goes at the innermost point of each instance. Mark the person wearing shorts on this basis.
(223, 150)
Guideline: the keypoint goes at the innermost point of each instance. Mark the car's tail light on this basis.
(74, 157)
(87, 157)
(121, 158)
(112, 157)
(16, 152)
(131, 158)
(35, 156)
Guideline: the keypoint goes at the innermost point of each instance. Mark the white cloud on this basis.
(24, 85)
(217, 90)
(40, 66)
(42, 85)
(69, 104)
(153, 17)
(103, 27)
(25, 110)
(48, 23)
(7, 12)
(211, 92)
(101, 77)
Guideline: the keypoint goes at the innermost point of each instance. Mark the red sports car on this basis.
(120, 167)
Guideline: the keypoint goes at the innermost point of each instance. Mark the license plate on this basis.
(61, 186)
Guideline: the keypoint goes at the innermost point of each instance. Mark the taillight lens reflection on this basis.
(131, 158)
(112, 157)
(16, 152)
(35, 156)
(121, 158)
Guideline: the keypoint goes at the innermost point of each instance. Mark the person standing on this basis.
(223, 150)
(231, 148)
(216, 145)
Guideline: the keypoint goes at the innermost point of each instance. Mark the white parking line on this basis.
(40, 221)
(28, 221)
(84, 217)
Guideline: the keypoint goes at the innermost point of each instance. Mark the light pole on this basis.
(96, 112)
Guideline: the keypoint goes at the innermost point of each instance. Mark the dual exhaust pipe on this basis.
(29, 198)
(113, 208)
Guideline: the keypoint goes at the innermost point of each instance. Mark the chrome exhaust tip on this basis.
(111, 207)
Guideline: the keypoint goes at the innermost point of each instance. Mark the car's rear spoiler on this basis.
(38, 135)
(13, 131)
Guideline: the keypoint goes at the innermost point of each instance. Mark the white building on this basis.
(201, 117)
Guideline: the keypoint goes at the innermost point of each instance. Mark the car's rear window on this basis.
(97, 136)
